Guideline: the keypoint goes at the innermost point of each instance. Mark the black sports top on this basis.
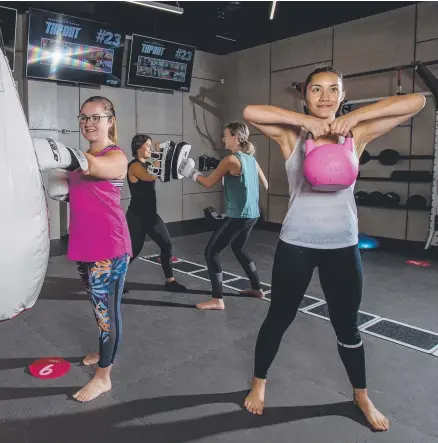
(143, 196)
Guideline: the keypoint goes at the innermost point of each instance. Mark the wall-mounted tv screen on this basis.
(155, 63)
(8, 26)
(66, 48)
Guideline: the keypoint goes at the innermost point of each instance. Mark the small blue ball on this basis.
(368, 242)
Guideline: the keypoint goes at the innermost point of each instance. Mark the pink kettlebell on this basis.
(330, 167)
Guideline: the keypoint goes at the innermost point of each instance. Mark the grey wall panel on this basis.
(262, 156)
(277, 208)
(42, 104)
(247, 78)
(421, 165)
(427, 19)
(375, 86)
(194, 204)
(301, 50)
(389, 223)
(203, 126)
(375, 42)
(278, 184)
(159, 113)
(21, 33)
(423, 130)
(68, 107)
(207, 66)
(418, 226)
(282, 92)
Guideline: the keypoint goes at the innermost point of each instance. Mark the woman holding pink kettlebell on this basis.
(321, 151)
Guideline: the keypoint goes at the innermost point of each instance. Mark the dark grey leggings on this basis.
(234, 231)
(340, 274)
(155, 228)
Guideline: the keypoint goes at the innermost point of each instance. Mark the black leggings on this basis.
(154, 227)
(340, 275)
(235, 231)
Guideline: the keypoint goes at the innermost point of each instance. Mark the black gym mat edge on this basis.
(317, 303)
(430, 350)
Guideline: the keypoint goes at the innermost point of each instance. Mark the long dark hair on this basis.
(109, 109)
(137, 142)
(330, 69)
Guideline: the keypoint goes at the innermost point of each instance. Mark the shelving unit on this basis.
(427, 209)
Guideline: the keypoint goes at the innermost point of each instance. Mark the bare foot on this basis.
(214, 304)
(255, 401)
(91, 359)
(95, 387)
(255, 292)
(375, 418)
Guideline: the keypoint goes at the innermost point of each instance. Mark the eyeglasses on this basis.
(95, 119)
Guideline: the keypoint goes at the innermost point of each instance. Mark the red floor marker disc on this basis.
(49, 367)
(174, 259)
(423, 263)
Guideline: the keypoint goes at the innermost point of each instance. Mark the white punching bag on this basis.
(24, 223)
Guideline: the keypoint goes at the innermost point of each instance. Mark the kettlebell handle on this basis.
(309, 135)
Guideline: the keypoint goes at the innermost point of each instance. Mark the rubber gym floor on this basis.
(182, 374)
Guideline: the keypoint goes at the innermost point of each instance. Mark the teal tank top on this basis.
(242, 192)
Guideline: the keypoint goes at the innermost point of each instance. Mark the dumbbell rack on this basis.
(433, 227)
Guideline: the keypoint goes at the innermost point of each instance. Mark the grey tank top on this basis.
(320, 220)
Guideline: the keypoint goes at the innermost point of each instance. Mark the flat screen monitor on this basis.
(160, 64)
(66, 48)
(8, 26)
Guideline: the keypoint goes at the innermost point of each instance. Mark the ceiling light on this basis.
(157, 5)
(274, 4)
(226, 38)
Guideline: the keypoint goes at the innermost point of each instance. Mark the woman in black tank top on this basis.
(142, 214)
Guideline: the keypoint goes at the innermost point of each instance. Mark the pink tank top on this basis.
(98, 228)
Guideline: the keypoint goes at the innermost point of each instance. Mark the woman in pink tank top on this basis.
(99, 240)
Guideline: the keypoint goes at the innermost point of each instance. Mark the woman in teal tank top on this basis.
(240, 173)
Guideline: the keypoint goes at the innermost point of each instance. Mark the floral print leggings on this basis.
(104, 281)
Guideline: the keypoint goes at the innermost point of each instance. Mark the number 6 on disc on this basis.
(49, 367)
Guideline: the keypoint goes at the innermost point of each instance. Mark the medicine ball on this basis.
(365, 157)
(416, 202)
(392, 199)
(377, 198)
(361, 197)
(389, 157)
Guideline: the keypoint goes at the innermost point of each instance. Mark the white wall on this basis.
(264, 75)
(53, 108)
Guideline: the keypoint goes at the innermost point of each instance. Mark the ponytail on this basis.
(241, 131)
(247, 147)
(113, 134)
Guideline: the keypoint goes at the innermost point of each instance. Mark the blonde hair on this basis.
(109, 109)
(241, 131)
